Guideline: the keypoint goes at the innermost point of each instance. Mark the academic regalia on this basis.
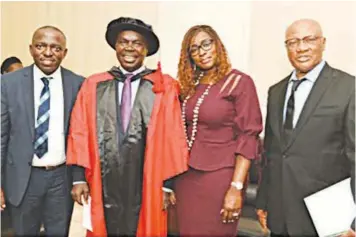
(125, 170)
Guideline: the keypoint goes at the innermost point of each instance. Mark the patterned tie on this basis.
(125, 107)
(41, 137)
(288, 124)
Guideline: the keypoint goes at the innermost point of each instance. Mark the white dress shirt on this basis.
(302, 93)
(56, 136)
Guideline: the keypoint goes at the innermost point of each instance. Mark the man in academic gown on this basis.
(127, 134)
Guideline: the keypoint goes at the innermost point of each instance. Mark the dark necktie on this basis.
(41, 136)
(125, 107)
(288, 124)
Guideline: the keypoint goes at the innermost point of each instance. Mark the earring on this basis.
(194, 67)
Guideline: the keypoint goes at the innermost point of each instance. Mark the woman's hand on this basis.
(232, 205)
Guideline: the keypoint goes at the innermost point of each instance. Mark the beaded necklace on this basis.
(195, 114)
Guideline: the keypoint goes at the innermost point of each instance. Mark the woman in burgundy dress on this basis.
(223, 120)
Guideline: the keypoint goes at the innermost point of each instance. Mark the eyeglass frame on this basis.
(198, 47)
(309, 40)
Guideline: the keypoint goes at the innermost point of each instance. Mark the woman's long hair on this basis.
(186, 72)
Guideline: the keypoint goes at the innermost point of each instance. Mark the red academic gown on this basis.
(166, 151)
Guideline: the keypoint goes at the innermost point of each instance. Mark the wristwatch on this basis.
(238, 185)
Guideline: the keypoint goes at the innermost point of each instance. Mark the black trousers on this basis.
(47, 200)
(6, 226)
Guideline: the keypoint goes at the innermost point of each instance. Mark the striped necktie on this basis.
(41, 137)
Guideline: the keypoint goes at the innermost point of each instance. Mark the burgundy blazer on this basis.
(229, 123)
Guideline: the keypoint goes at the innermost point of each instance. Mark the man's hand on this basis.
(169, 199)
(172, 199)
(165, 203)
(80, 190)
(2, 201)
(262, 218)
(349, 233)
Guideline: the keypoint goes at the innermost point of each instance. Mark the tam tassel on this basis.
(158, 84)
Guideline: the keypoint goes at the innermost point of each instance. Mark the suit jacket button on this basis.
(30, 163)
(284, 156)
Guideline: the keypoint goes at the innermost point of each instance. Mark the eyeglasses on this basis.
(205, 45)
(308, 40)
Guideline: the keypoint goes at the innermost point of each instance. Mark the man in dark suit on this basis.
(36, 103)
(310, 134)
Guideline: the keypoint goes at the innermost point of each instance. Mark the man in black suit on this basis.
(310, 133)
(36, 103)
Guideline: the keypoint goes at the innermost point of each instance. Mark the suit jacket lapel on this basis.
(67, 97)
(280, 99)
(316, 93)
(28, 94)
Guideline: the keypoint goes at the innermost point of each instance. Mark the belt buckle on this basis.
(50, 167)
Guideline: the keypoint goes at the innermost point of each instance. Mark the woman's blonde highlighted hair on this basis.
(187, 73)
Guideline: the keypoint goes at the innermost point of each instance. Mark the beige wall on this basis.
(268, 58)
(231, 23)
(252, 31)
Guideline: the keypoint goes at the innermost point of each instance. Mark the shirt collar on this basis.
(39, 74)
(312, 75)
(137, 71)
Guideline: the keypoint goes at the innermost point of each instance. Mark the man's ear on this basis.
(30, 49)
(65, 52)
(323, 43)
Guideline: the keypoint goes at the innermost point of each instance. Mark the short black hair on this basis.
(49, 27)
(8, 62)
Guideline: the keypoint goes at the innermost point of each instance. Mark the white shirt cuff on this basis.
(79, 182)
(167, 190)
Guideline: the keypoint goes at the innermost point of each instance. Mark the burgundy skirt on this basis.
(200, 197)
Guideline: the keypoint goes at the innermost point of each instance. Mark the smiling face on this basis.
(48, 49)
(305, 45)
(131, 50)
(202, 50)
